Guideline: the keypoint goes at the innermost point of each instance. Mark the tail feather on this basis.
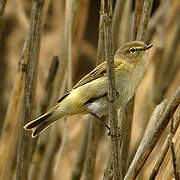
(40, 124)
(36, 122)
(41, 127)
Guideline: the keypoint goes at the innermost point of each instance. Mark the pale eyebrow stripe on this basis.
(139, 48)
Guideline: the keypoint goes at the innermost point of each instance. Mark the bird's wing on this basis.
(96, 73)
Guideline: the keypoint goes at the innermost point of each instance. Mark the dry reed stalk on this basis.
(107, 15)
(167, 170)
(2, 9)
(9, 134)
(152, 136)
(24, 150)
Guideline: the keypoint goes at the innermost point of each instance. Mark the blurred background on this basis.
(161, 79)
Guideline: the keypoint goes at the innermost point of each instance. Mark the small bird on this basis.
(90, 94)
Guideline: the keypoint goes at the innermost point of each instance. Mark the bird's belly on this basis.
(125, 93)
(99, 107)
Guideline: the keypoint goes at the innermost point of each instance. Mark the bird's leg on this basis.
(104, 124)
(110, 100)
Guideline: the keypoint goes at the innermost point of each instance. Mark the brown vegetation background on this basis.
(54, 155)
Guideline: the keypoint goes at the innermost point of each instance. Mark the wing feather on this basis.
(96, 73)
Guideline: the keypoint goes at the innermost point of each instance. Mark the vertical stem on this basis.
(24, 150)
(8, 141)
(137, 17)
(107, 13)
(2, 63)
(146, 11)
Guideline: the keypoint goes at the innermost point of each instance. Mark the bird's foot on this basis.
(110, 99)
(110, 133)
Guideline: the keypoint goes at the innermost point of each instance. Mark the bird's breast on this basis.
(127, 86)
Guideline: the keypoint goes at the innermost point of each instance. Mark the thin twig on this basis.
(24, 150)
(107, 13)
(150, 141)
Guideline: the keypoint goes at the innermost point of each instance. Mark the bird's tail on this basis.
(40, 124)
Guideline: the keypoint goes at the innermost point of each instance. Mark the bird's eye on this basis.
(132, 50)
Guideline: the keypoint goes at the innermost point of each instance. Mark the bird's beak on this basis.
(147, 47)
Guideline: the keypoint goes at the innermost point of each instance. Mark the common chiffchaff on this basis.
(90, 94)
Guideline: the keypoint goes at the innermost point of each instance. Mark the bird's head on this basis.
(133, 52)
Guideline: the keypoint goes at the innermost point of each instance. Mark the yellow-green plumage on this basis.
(90, 94)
